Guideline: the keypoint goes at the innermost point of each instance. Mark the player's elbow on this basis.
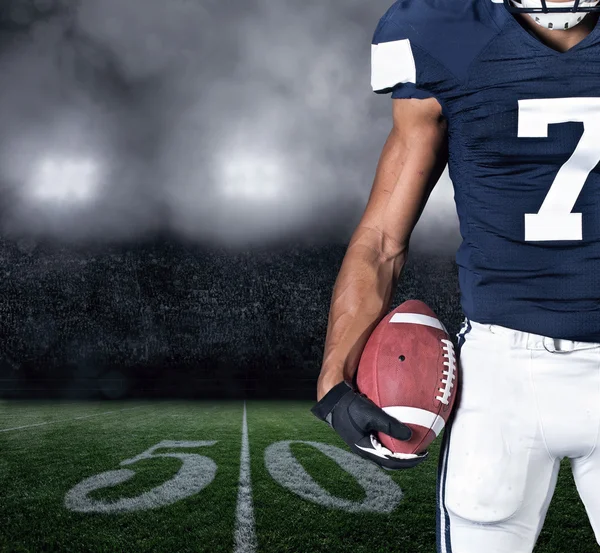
(392, 249)
(385, 246)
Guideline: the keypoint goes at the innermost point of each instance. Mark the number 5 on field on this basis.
(555, 220)
(195, 474)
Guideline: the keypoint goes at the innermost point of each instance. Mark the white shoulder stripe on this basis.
(392, 63)
(416, 319)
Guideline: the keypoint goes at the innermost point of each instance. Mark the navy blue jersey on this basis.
(524, 148)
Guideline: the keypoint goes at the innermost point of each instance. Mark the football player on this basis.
(508, 93)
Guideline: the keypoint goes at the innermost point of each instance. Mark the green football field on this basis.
(185, 476)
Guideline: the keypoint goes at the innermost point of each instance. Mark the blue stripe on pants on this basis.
(442, 521)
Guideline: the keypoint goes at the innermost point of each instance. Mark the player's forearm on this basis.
(362, 295)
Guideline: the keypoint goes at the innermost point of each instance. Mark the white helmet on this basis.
(554, 15)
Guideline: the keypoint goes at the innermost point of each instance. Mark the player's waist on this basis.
(526, 340)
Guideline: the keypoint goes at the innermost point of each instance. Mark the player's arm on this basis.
(412, 161)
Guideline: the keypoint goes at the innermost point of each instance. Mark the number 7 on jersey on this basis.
(556, 220)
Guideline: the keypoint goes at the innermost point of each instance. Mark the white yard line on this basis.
(245, 532)
(67, 420)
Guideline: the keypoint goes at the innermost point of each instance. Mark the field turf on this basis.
(64, 486)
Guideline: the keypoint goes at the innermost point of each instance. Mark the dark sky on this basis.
(234, 121)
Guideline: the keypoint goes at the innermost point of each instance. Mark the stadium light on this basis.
(252, 178)
(65, 180)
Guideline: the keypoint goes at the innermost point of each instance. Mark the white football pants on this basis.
(525, 402)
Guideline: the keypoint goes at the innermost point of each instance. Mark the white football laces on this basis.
(449, 373)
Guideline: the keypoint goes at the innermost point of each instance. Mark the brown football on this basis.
(408, 367)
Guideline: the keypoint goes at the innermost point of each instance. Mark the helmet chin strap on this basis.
(556, 20)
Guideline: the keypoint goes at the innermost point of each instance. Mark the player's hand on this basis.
(355, 418)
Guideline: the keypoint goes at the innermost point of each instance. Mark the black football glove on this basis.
(355, 418)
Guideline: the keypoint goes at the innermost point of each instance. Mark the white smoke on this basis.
(235, 122)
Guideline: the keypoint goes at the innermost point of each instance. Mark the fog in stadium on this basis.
(226, 122)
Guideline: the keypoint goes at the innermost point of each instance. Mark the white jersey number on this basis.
(555, 220)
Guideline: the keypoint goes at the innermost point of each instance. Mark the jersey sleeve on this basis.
(400, 64)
